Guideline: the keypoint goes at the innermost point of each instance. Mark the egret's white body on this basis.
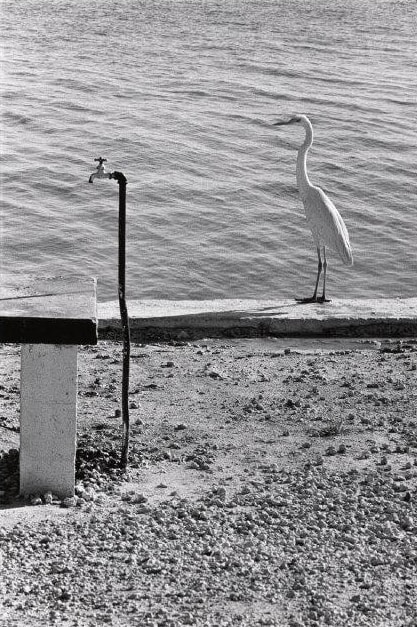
(323, 218)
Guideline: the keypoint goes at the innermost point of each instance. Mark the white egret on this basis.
(323, 218)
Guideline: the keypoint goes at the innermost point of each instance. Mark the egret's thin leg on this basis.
(319, 269)
(314, 298)
(323, 298)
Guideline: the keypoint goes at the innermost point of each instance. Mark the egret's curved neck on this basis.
(303, 181)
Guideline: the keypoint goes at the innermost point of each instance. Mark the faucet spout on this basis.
(101, 171)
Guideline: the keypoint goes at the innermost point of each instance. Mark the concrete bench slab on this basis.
(58, 310)
(50, 318)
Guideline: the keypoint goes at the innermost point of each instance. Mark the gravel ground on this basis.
(270, 483)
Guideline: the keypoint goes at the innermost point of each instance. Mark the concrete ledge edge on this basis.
(162, 320)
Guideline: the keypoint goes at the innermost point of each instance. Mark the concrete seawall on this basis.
(161, 320)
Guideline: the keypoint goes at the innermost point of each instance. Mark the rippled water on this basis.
(179, 95)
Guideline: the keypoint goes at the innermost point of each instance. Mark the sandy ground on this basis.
(271, 482)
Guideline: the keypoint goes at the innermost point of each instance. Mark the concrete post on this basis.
(48, 419)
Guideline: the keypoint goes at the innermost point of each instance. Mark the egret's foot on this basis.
(323, 299)
(312, 299)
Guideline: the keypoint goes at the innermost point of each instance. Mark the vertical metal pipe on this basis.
(124, 316)
(121, 179)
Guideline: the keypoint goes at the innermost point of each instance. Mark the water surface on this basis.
(180, 96)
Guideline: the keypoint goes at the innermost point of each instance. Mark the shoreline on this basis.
(164, 320)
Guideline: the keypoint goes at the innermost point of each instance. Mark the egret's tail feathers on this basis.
(341, 245)
(342, 241)
(346, 254)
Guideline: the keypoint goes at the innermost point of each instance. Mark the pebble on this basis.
(214, 374)
(70, 501)
(221, 493)
(89, 494)
(48, 498)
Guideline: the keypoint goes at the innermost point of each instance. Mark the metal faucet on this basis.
(101, 171)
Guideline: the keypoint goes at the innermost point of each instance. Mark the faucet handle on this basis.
(100, 160)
